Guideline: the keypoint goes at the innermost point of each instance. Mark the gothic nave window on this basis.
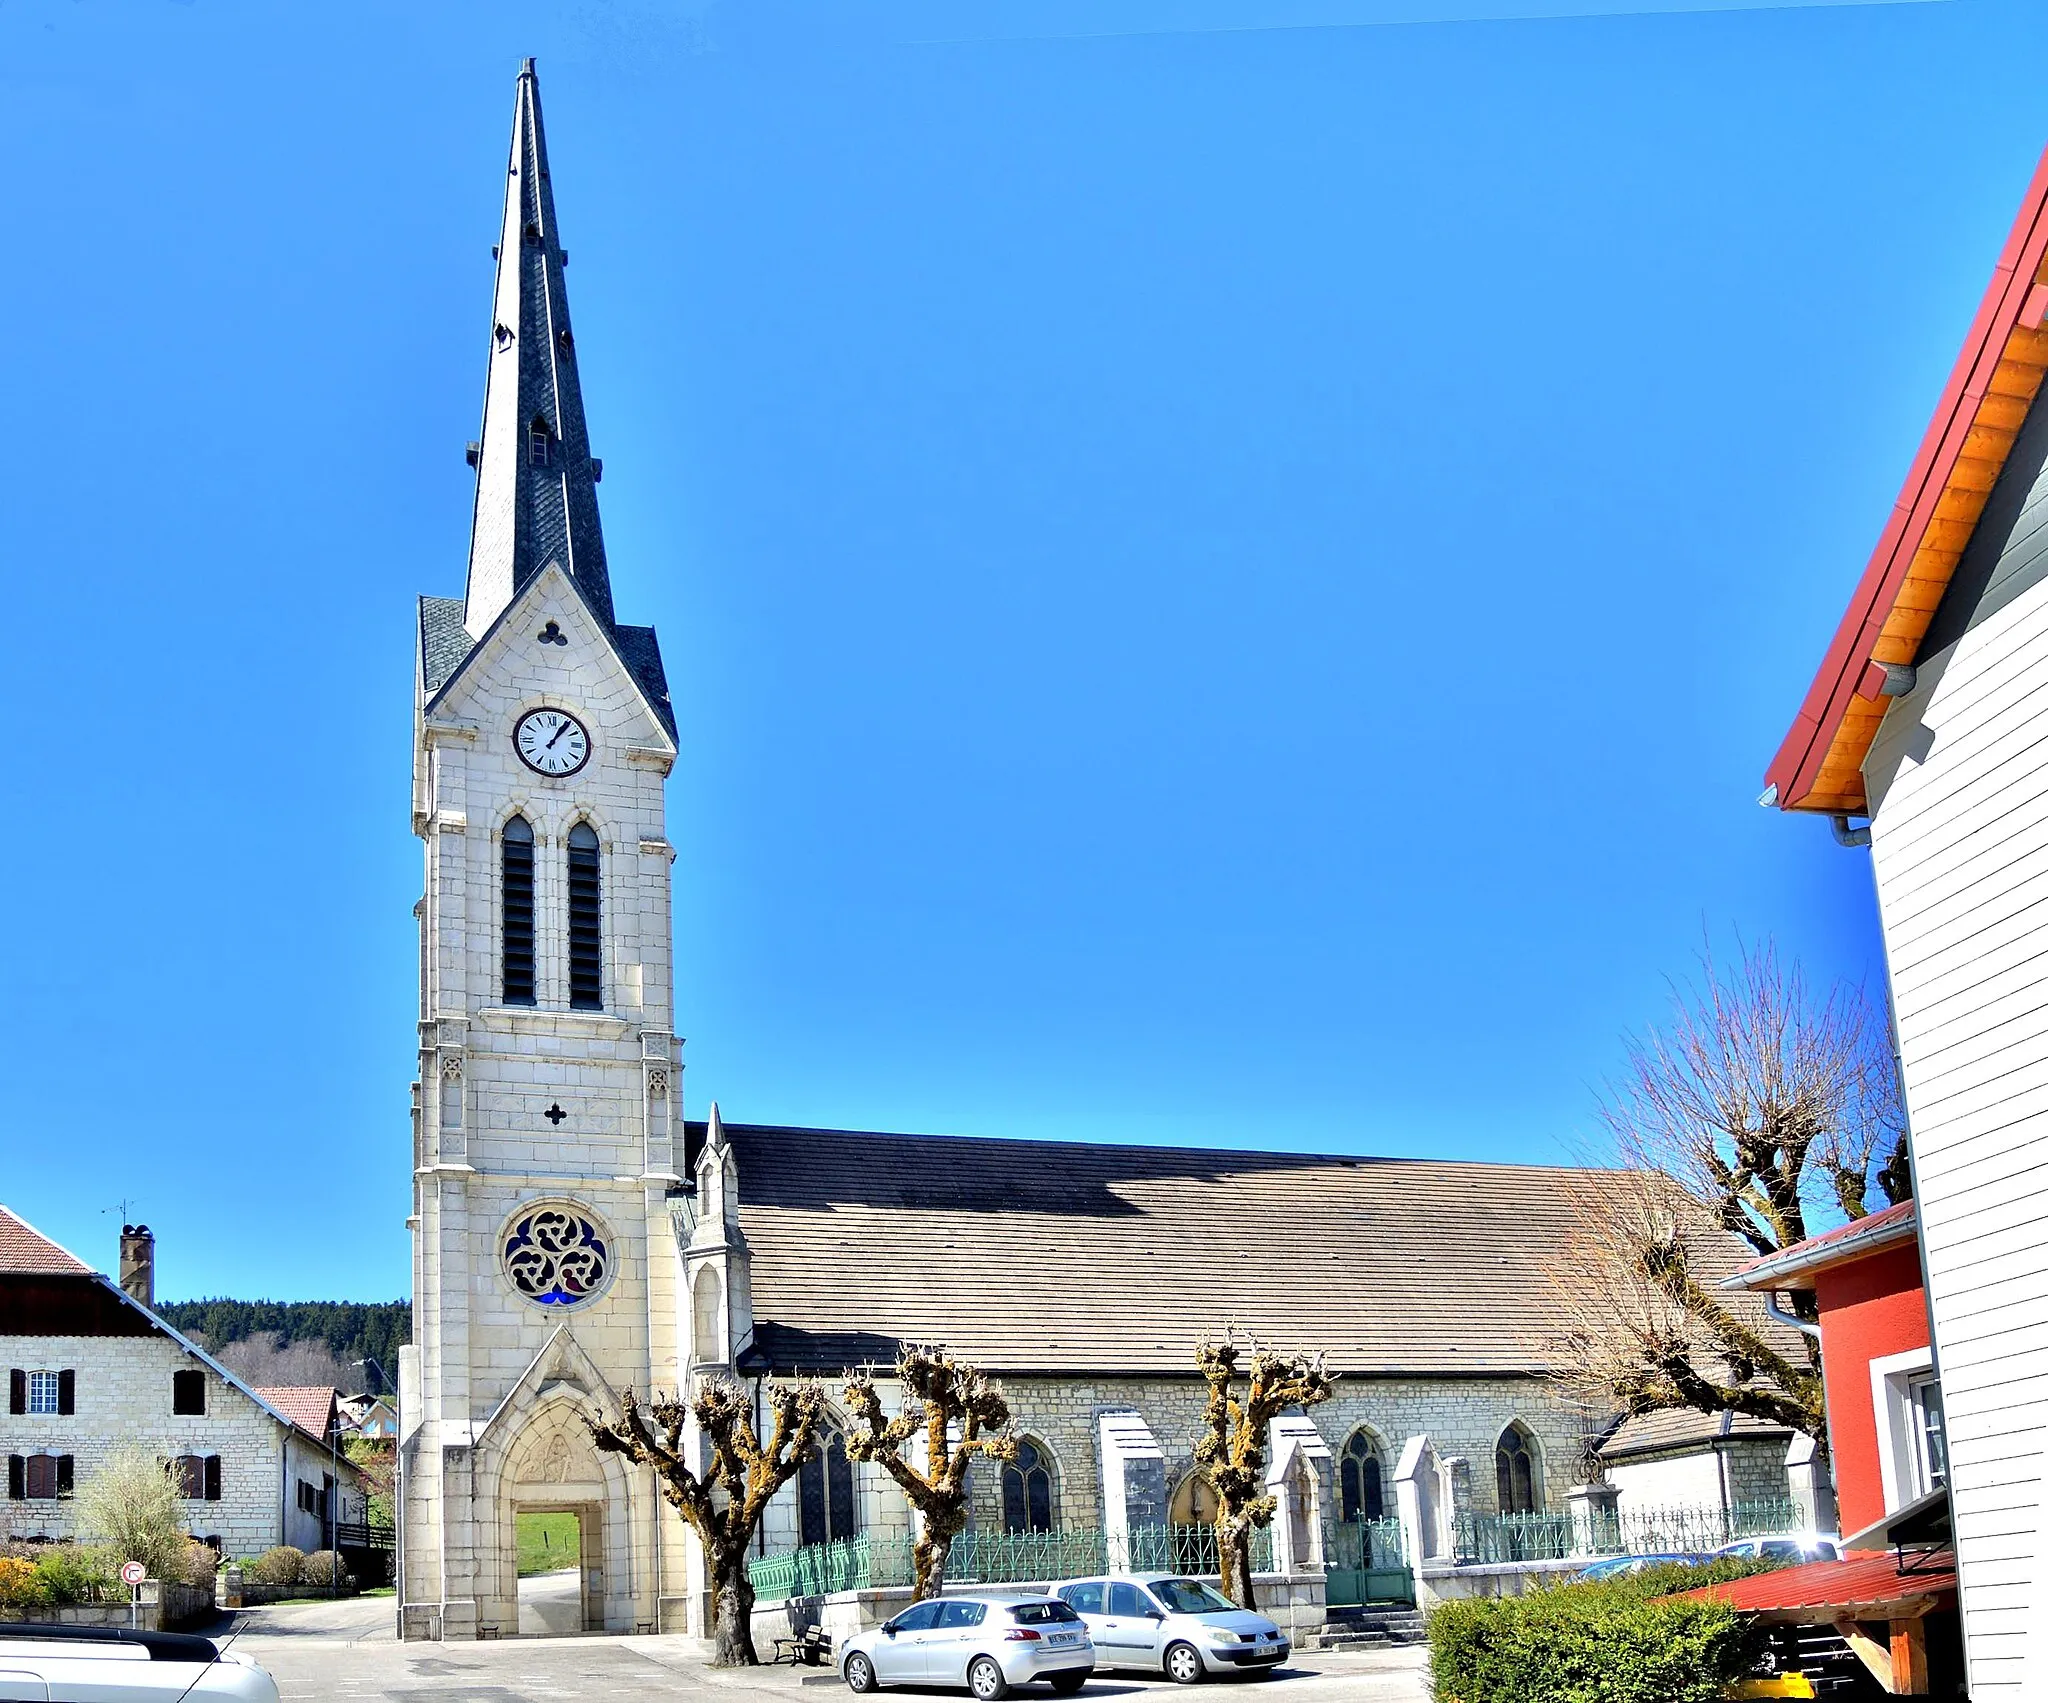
(1027, 1490)
(824, 1493)
(586, 922)
(1359, 1482)
(517, 862)
(1514, 1467)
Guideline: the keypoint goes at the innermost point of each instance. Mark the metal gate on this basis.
(1368, 1563)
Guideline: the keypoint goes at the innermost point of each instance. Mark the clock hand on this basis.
(564, 728)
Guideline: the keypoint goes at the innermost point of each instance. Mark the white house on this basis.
(91, 1369)
(1925, 737)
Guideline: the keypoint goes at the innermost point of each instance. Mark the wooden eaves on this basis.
(1819, 767)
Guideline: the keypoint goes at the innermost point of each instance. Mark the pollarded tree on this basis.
(961, 1413)
(724, 1502)
(1760, 1103)
(1231, 1451)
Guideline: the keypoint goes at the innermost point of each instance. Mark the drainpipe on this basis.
(1773, 1310)
(1846, 835)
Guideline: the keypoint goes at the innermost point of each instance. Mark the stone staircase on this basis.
(1368, 1628)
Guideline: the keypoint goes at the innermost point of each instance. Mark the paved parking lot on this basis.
(329, 1652)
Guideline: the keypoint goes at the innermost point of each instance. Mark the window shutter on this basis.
(63, 1475)
(67, 1391)
(17, 1477)
(213, 1478)
(586, 921)
(17, 1390)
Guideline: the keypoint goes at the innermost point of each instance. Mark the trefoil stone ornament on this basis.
(557, 1255)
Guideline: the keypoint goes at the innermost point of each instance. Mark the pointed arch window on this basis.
(704, 1308)
(1191, 1525)
(539, 442)
(825, 1508)
(1514, 1470)
(1360, 1481)
(1027, 1489)
(516, 884)
(586, 921)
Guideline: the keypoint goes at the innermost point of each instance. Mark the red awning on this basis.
(1865, 1587)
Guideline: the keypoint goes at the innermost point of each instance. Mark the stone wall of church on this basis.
(1463, 1416)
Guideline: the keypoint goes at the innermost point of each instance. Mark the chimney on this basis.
(138, 1263)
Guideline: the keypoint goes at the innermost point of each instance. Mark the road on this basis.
(346, 1652)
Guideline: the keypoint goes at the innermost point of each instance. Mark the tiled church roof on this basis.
(1058, 1256)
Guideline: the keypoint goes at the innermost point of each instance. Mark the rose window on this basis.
(557, 1256)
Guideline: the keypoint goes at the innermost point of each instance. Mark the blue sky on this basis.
(1229, 570)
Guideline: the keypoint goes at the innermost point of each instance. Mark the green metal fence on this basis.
(1496, 1539)
(1490, 1540)
(1368, 1562)
(1653, 1531)
(991, 1558)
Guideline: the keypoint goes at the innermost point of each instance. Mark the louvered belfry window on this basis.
(586, 921)
(517, 858)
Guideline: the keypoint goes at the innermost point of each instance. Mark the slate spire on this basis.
(536, 486)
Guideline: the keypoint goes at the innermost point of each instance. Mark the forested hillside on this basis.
(348, 1330)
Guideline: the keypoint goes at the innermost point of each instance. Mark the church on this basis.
(576, 1234)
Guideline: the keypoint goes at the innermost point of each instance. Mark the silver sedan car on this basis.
(986, 1644)
(1161, 1622)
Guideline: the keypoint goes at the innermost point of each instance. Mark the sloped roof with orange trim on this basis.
(1820, 764)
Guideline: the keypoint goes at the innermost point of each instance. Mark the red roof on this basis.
(308, 1406)
(1959, 459)
(1861, 1581)
(23, 1248)
(1845, 1242)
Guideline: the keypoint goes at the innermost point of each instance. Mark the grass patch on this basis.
(549, 1542)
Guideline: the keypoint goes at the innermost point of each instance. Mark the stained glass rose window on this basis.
(557, 1256)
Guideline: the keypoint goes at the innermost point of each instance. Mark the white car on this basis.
(987, 1644)
(95, 1664)
(1161, 1622)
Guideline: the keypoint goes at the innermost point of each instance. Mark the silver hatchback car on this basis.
(1162, 1622)
(986, 1644)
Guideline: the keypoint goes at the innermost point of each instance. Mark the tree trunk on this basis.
(929, 1559)
(732, 1613)
(1234, 1558)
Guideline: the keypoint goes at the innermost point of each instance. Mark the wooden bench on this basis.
(812, 1647)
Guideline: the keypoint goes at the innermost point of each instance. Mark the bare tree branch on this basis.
(962, 1413)
(1759, 1106)
(1231, 1451)
(723, 1502)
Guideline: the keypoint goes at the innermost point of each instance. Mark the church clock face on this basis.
(551, 742)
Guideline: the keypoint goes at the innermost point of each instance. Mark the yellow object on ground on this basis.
(1780, 1685)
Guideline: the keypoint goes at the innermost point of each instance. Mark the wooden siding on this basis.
(1960, 841)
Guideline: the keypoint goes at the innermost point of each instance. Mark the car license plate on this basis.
(1061, 1638)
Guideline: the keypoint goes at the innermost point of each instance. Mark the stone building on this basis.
(92, 1369)
(574, 1236)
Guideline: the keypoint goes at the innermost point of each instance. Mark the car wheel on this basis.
(1066, 1684)
(1183, 1664)
(986, 1680)
(860, 1674)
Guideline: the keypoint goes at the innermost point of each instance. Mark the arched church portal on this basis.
(552, 1467)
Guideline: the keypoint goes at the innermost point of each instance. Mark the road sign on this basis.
(133, 1572)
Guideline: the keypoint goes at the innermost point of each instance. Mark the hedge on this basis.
(1607, 1642)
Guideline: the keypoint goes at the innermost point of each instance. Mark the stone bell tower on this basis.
(547, 1119)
